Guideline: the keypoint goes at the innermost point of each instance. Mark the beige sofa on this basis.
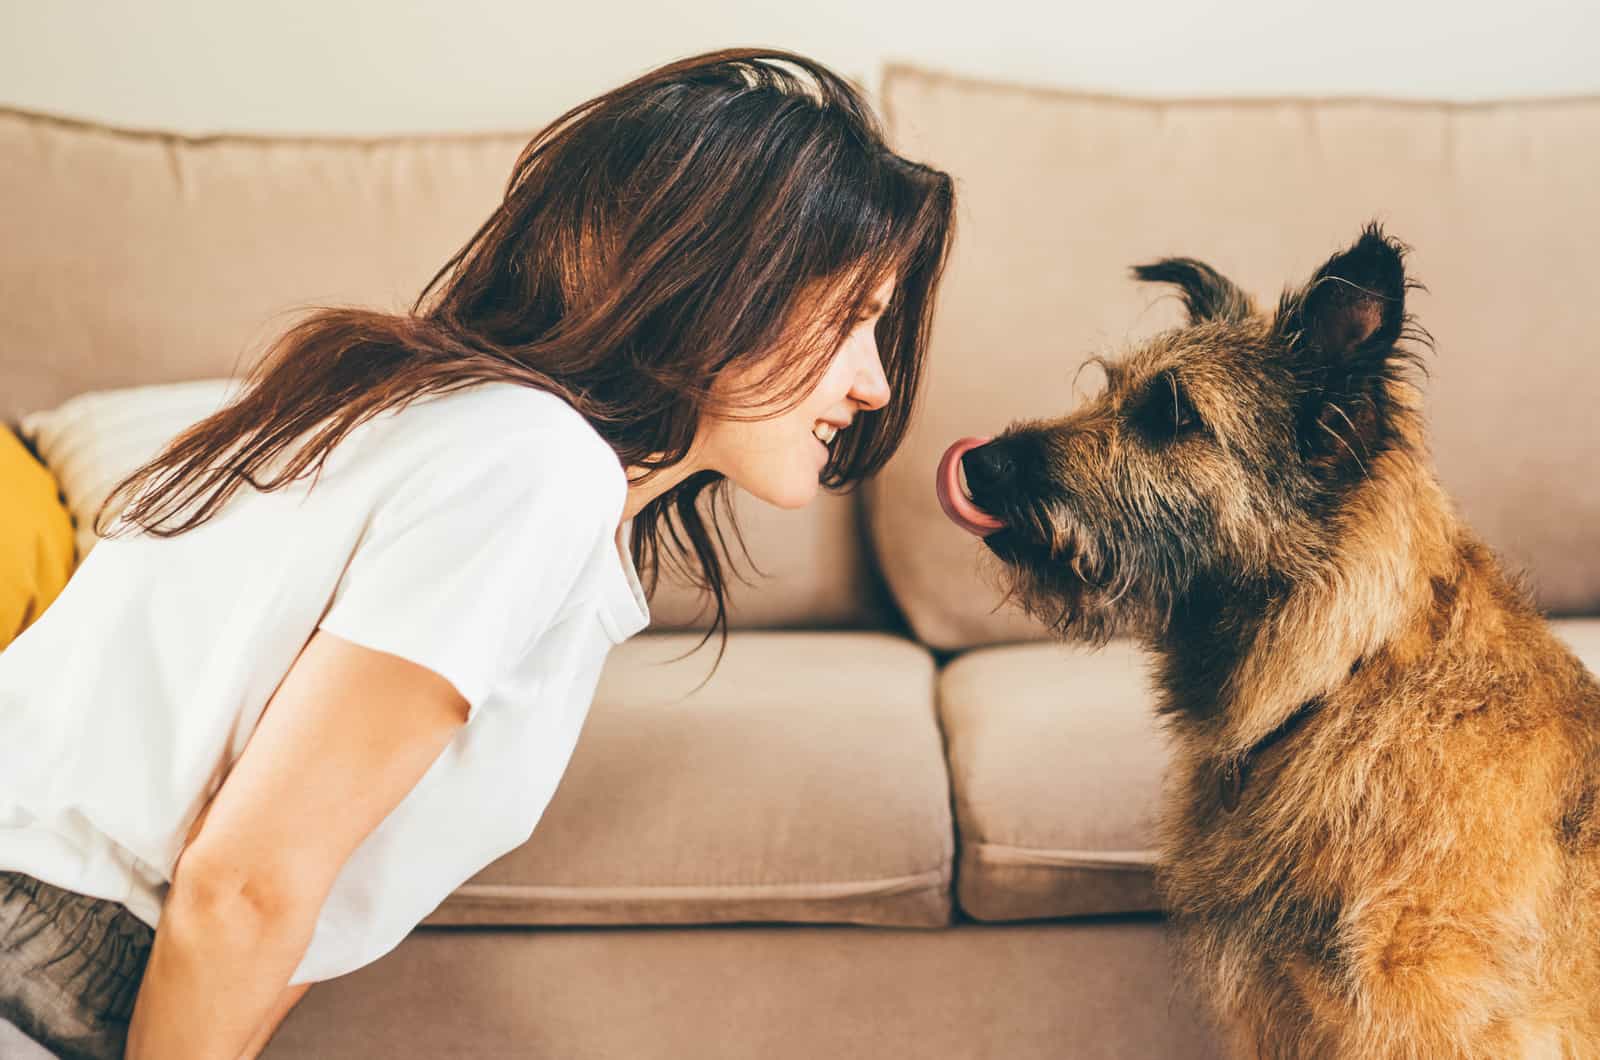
(896, 823)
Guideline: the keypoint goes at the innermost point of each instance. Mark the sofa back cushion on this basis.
(133, 258)
(1060, 193)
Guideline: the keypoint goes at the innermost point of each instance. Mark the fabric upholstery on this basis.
(1060, 193)
(36, 551)
(1055, 769)
(1583, 637)
(1056, 760)
(807, 569)
(804, 782)
(1088, 991)
(136, 258)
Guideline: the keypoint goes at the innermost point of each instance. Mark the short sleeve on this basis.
(470, 558)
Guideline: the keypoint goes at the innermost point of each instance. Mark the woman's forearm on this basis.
(286, 1001)
(217, 971)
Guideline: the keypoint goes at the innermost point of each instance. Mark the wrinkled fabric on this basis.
(503, 566)
(70, 967)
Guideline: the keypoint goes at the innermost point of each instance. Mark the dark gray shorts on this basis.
(70, 967)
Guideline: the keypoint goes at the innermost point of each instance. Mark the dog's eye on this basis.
(1164, 412)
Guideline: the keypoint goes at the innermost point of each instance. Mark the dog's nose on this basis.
(990, 470)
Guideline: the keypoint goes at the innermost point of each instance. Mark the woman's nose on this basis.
(871, 389)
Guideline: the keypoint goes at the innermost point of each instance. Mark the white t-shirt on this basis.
(477, 533)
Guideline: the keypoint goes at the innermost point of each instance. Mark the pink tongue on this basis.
(947, 483)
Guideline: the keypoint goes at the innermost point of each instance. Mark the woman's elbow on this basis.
(241, 900)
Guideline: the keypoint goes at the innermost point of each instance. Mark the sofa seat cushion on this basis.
(1056, 760)
(1055, 764)
(804, 782)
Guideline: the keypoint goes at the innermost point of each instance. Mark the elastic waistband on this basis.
(92, 950)
(114, 937)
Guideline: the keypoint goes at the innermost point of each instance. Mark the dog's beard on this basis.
(1077, 584)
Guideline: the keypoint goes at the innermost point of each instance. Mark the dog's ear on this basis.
(1342, 333)
(1208, 294)
(1354, 307)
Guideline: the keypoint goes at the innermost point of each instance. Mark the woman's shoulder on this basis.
(502, 421)
(495, 438)
(501, 405)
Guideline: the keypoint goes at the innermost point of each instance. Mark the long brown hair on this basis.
(730, 209)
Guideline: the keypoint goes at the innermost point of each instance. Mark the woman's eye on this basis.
(1165, 412)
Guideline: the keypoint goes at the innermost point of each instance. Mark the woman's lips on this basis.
(954, 500)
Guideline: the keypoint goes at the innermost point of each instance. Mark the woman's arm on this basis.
(287, 1000)
(345, 737)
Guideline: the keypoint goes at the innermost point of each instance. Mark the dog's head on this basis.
(1219, 454)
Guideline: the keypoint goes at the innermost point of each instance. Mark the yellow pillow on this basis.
(36, 548)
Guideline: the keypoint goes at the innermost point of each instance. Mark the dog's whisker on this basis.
(1341, 440)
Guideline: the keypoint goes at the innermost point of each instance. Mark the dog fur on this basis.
(1379, 835)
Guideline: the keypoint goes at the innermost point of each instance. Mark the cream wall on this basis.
(367, 66)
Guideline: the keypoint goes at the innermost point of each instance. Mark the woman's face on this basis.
(780, 459)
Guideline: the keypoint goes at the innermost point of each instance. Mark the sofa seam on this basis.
(1047, 857)
(930, 880)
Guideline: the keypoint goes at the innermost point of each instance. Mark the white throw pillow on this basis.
(95, 440)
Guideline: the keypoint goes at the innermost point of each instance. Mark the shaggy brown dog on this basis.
(1379, 834)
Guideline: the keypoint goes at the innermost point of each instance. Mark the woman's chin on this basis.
(790, 495)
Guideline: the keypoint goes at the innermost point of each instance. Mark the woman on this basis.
(334, 654)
